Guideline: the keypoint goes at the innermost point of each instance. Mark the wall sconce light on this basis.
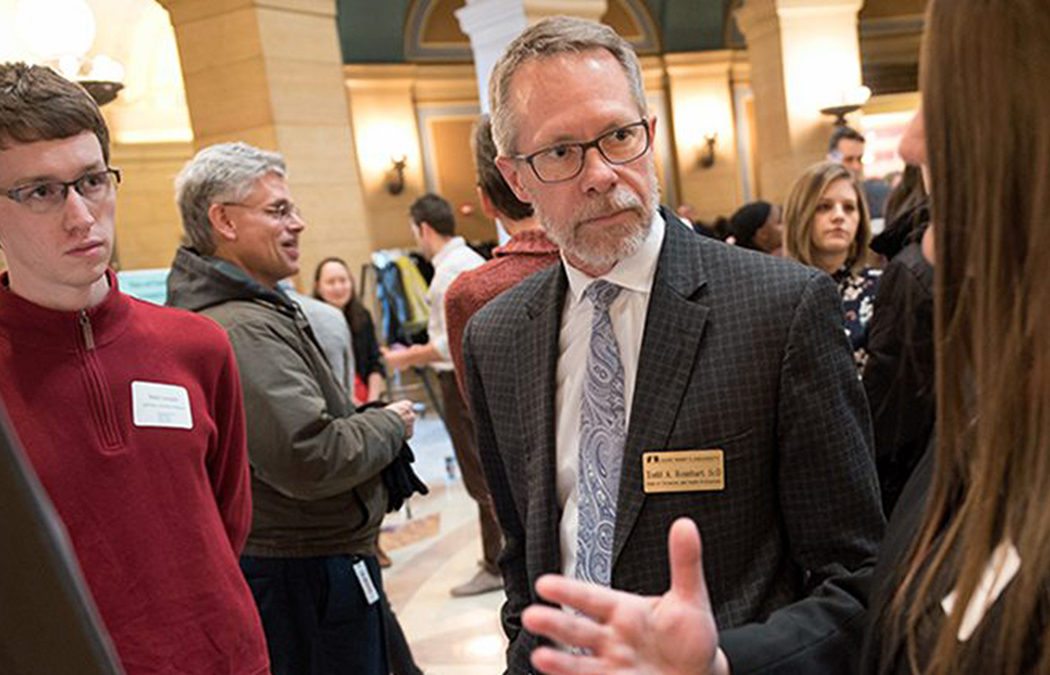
(395, 177)
(707, 154)
(848, 102)
(840, 112)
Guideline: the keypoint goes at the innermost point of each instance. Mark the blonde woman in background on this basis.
(826, 225)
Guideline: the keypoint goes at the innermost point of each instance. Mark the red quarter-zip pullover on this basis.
(157, 514)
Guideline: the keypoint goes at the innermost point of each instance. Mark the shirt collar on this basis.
(635, 272)
(527, 242)
(446, 250)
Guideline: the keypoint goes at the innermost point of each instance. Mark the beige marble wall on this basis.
(701, 98)
(270, 73)
(390, 107)
(382, 113)
(148, 225)
(447, 104)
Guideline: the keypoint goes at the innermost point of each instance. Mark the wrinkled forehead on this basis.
(562, 73)
(564, 95)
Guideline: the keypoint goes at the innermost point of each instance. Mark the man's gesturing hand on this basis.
(626, 633)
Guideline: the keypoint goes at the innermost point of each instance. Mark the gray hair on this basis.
(225, 172)
(554, 35)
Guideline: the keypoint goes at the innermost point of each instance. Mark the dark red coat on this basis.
(526, 252)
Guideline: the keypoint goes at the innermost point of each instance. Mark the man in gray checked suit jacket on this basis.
(735, 372)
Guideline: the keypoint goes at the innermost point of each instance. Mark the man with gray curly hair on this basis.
(318, 496)
(655, 374)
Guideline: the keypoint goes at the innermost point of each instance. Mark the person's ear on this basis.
(224, 228)
(512, 173)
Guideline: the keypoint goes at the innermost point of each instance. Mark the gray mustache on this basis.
(621, 199)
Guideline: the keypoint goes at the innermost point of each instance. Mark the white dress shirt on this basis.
(453, 258)
(627, 312)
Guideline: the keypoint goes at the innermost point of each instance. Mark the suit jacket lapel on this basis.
(536, 371)
(673, 328)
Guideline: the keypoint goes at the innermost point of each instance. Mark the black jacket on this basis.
(898, 376)
(881, 653)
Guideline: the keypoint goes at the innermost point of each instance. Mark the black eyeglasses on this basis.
(48, 196)
(565, 161)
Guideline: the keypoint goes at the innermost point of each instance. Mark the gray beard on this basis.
(607, 257)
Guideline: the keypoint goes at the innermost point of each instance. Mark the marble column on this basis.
(492, 24)
(269, 72)
(805, 55)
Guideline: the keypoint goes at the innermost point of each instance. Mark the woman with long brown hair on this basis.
(965, 578)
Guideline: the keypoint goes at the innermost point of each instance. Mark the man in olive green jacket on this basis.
(318, 495)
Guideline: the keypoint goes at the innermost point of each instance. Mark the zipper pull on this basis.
(85, 328)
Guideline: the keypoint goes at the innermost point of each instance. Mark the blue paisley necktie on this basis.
(603, 432)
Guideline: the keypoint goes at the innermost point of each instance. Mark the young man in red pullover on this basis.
(130, 413)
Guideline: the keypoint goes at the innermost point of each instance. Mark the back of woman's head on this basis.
(986, 65)
(907, 215)
(801, 208)
(747, 220)
(909, 194)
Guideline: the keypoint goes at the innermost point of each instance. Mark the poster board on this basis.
(48, 623)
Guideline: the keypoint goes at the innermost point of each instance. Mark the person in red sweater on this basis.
(528, 250)
(129, 413)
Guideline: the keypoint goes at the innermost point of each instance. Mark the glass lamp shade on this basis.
(53, 29)
(105, 69)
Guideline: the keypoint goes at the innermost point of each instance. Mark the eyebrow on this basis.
(565, 139)
(51, 178)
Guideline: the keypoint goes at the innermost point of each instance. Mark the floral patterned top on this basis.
(858, 303)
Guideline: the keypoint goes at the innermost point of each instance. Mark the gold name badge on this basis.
(683, 471)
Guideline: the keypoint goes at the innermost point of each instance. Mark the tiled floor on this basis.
(435, 549)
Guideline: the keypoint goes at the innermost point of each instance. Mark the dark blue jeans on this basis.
(315, 615)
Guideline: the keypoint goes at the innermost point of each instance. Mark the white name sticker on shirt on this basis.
(161, 405)
(1001, 570)
(361, 570)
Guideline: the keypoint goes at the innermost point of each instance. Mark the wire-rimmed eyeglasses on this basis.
(282, 211)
